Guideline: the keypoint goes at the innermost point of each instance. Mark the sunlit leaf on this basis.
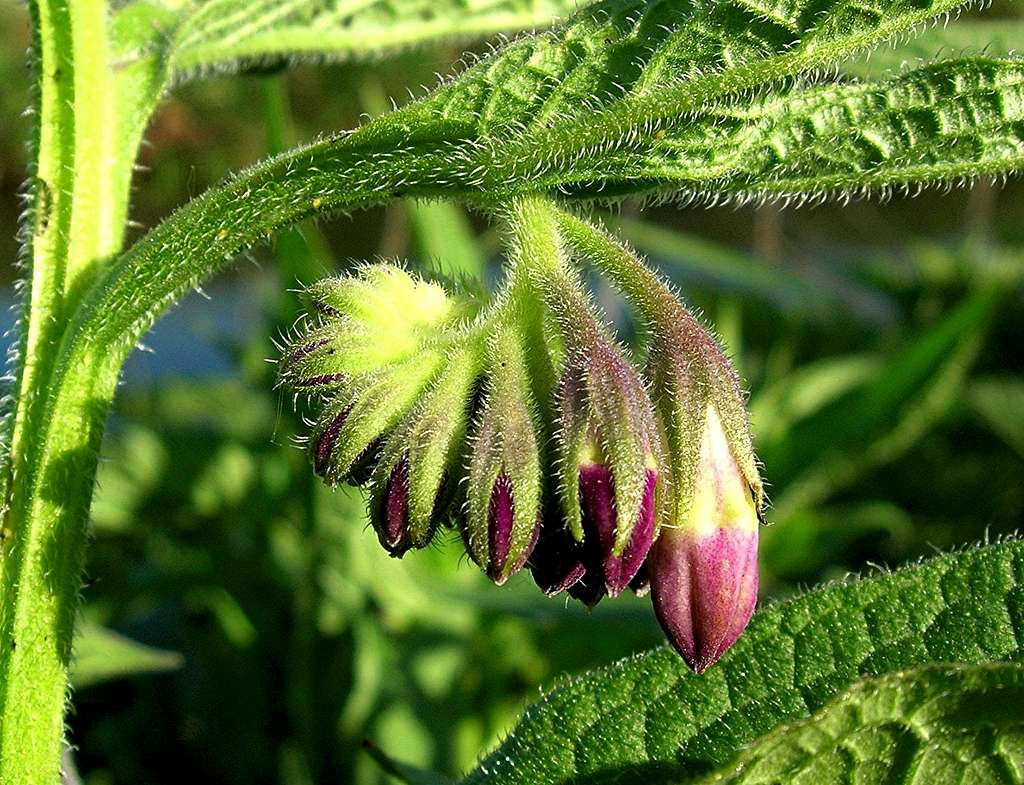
(937, 724)
(649, 720)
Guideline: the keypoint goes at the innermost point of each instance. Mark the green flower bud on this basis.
(419, 457)
(504, 491)
(362, 323)
(383, 297)
(364, 411)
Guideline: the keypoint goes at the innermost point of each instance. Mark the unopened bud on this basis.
(704, 569)
(505, 556)
(610, 462)
(357, 419)
(599, 522)
(504, 488)
(418, 456)
(362, 323)
(392, 518)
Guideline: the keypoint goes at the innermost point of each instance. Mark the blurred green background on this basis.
(880, 342)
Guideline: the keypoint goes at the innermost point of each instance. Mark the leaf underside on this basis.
(649, 719)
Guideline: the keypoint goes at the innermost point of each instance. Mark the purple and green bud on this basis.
(704, 566)
(503, 495)
(358, 418)
(610, 463)
(410, 482)
(703, 569)
(619, 568)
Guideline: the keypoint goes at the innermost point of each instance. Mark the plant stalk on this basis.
(78, 200)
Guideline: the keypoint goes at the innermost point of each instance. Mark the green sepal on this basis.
(328, 356)
(382, 297)
(374, 403)
(429, 437)
(363, 322)
(573, 447)
(506, 443)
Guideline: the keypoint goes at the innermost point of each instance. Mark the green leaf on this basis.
(1000, 402)
(104, 655)
(953, 119)
(876, 420)
(804, 391)
(163, 43)
(223, 33)
(940, 724)
(649, 719)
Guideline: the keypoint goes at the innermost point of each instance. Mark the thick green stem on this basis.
(78, 203)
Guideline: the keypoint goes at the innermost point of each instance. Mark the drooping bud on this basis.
(610, 462)
(504, 490)
(410, 480)
(703, 569)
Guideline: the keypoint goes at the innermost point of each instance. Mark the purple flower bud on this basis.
(504, 482)
(589, 589)
(557, 561)
(392, 518)
(597, 498)
(611, 464)
(704, 569)
(500, 529)
(324, 442)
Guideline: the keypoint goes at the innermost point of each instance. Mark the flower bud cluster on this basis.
(599, 479)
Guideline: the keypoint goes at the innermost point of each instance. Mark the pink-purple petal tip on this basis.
(500, 523)
(704, 590)
(597, 496)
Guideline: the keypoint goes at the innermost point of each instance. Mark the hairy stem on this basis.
(78, 200)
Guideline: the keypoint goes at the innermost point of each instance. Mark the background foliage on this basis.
(879, 342)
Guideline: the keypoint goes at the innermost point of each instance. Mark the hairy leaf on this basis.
(223, 32)
(939, 724)
(157, 43)
(649, 719)
(954, 119)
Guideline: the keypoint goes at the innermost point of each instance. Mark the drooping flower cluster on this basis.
(526, 427)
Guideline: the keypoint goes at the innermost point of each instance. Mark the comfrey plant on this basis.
(525, 426)
(521, 421)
